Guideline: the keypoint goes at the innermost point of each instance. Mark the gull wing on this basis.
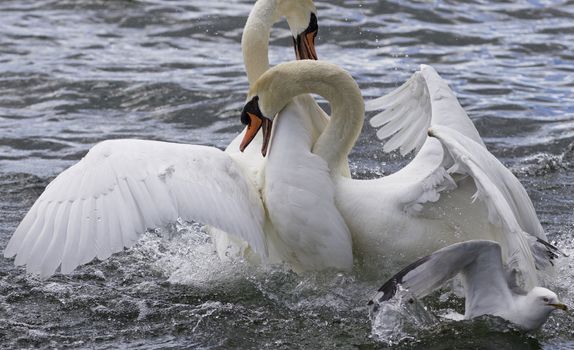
(422, 101)
(122, 187)
(479, 261)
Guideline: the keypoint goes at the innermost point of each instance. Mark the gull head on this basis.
(537, 306)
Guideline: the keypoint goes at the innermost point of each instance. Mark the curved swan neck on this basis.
(255, 39)
(285, 81)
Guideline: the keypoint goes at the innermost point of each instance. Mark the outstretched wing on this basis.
(122, 187)
(507, 202)
(485, 279)
(422, 101)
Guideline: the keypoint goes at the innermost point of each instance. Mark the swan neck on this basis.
(347, 117)
(331, 82)
(255, 39)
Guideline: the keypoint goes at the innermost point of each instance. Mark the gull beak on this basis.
(305, 42)
(560, 306)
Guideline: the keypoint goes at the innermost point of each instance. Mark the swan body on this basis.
(391, 219)
(300, 198)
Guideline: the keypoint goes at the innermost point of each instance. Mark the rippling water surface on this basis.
(73, 73)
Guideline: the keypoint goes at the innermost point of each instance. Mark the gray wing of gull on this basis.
(480, 263)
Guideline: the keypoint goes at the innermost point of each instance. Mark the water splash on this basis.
(399, 319)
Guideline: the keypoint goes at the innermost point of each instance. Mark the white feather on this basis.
(423, 100)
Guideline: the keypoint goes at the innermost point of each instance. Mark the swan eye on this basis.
(545, 299)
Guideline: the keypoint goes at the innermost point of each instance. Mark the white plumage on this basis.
(426, 105)
(313, 207)
(121, 187)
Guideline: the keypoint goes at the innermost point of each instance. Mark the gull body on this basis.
(489, 287)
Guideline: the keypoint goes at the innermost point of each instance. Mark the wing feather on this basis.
(407, 114)
(53, 256)
(45, 236)
(87, 247)
(131, 224)
(423, 179)
(423, 101)
(16, 241)
(30, 237)
(114, 226)
(72, 237)
(104, 240)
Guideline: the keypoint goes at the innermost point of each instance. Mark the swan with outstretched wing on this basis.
(392, 219)
(122, 187)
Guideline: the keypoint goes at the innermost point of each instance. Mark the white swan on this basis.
(103, 203)
(304, 243)
(302, 20)
(388, 218)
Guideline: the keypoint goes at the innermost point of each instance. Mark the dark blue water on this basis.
(73, 73)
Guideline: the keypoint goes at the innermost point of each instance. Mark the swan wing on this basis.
(405, 117)
(467, 152)
(122, 187)
(407, 112)
(507, 202)
(479, 261)
(423, 179)
(473, 159)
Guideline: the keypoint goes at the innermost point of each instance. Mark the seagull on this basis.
(489, 287)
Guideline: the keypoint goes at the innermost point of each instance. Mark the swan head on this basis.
(302, 18)
(265, 100)
(255, 120)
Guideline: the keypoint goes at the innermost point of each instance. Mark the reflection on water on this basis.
(75, 73)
